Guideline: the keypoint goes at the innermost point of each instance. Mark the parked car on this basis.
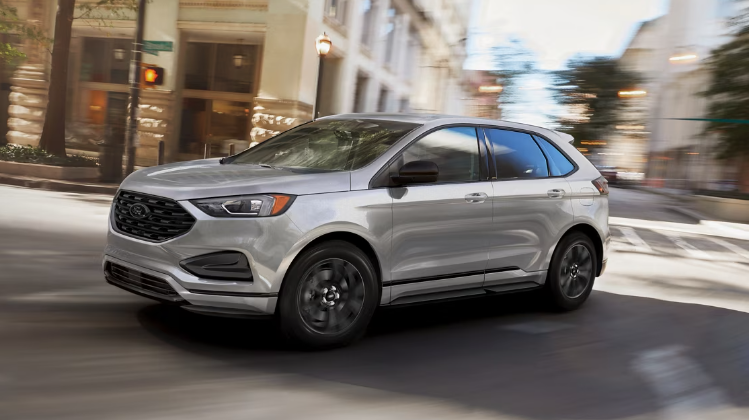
(323, 223)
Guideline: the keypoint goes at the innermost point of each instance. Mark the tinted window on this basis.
(455, 151)
(327, 145)
(558, 164)
(516, 155)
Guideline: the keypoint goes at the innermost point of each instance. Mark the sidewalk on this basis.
(706, 223)
(89, 187)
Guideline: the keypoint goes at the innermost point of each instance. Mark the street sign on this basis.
(153, 47)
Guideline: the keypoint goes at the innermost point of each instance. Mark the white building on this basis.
(680, 155)
(238, 71)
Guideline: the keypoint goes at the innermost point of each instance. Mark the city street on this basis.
(665, 335)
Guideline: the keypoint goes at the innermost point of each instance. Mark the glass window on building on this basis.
(382, 101)
(198, 59)
(360, 93)
(220, 84)
(368, 17)
(105, 60)
(389, 32)
(221, 67)
(336, 10)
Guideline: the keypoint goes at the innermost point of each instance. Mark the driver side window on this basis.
(455, 150)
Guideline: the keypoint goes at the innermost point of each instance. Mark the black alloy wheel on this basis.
(329, 296)
(572, 272)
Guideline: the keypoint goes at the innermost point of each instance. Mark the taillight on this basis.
(601, 185)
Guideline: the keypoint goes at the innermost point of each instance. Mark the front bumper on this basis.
(200, 301)
(268, 243)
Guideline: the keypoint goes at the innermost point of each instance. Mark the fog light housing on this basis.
(224, 265)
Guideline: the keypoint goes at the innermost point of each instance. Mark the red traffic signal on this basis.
(153, 76)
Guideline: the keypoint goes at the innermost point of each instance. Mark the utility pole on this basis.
(135, 70)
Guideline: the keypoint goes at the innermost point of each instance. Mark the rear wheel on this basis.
(571, 272)
(329, 296)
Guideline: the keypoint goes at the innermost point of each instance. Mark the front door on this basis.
(441, 230)
(530, 208)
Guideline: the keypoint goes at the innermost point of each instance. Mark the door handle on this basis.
(555, 193)
(476, 197)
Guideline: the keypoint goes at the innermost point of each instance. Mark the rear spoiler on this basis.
(566, 137)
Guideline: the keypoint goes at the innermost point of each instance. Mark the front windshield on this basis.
(327, 145)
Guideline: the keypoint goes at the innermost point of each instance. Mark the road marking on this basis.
(682, 387)
(735, 248)
(686, 246)
(634, 239)
(536, 327)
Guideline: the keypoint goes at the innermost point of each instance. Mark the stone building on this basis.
(238, 71)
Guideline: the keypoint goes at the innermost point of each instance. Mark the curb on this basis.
(62, 186)
(656, 191)
(697, 216)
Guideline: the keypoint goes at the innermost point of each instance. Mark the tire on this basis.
(571, 273)
(329, 296)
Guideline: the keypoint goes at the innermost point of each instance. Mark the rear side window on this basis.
(516, 155)
(559, 165)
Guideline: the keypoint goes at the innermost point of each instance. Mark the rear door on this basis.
(530, 207)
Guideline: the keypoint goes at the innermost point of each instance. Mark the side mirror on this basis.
(417, 172)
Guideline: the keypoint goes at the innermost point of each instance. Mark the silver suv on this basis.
(323, 223)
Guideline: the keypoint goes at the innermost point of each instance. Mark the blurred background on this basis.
(655, 92)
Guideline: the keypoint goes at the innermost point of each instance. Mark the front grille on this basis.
(140, 283)
(161, 220)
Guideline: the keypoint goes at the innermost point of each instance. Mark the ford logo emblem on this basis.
(139, 211)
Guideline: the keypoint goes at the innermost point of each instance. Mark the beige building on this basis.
(238, 71)
(680, 155)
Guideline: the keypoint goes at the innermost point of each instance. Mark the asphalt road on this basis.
(665, 335)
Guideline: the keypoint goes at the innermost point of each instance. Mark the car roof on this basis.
(437, 119)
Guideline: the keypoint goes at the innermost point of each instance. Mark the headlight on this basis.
(245, 205)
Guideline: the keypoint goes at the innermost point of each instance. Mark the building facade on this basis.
(239, 71)
(680, 154)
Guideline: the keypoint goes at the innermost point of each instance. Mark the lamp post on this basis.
(323, 45)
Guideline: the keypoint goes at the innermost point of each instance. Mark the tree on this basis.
(514, 62)
(53, 132)
(589, 90)
(728, 92)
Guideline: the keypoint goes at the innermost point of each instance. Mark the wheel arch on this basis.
(357, 240)
(595, 237)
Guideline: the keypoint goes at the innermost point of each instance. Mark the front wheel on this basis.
(572, 272)
(329, 296)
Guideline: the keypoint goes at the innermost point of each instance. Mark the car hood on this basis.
(209, 178)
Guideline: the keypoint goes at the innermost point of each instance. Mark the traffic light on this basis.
(153, 76)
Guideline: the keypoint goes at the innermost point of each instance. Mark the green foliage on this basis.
(588, 88)
(28, 154)
(728, 92)
(10, 23)
(97, 13)
(101, 11)
(514, 62)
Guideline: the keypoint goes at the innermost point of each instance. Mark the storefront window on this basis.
(220, 67)
(198, 56)
(229, 121)
(105, 60)
(194, 124)
(217, 105)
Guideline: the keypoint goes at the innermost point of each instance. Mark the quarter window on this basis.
(516, 155)
(558, 163)
(455, 150)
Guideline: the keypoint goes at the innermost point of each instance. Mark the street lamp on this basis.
(323, 45)
(119, 54)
